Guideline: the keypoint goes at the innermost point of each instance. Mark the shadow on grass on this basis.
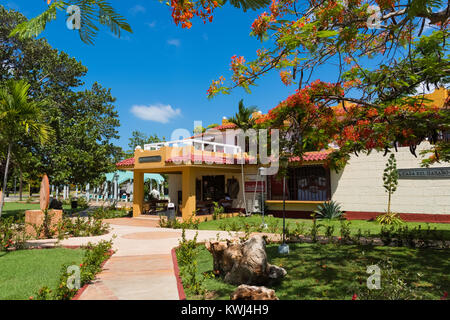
(331, 271)
(335, 272)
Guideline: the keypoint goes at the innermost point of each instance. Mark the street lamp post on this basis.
(262, 174)
(284, 248)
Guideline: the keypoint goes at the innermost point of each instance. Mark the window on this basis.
(303, 184)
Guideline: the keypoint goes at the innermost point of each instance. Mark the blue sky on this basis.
(160, 73)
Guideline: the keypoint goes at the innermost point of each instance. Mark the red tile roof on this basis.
(225, 126)
(312, 156)
(127, 163)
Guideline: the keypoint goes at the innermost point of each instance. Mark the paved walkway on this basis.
(142, 266)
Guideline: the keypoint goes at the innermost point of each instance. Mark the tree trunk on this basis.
(20, 186)
(5, 179)
(389, 203)
(244, 263)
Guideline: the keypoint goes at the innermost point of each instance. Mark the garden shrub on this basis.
(394, 285)
(82, 227)
(191, 223)
(187, 254)
(314, 231)
(12, 233)
(93, 258)
(108, 213)
(389, 218)
(345, 231)
(217, 211)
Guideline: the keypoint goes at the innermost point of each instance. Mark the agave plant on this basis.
(329, 210)
(389, 218)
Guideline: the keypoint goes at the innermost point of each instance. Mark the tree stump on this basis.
(245, 292)
(244, 263)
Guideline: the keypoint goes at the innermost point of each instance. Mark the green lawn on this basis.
(18, 208)
(275, 225)
(338, 271)
(24, 272)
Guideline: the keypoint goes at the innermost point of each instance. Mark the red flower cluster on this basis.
(238, 68)
(286, 77)
(184, 11)
(262, 24)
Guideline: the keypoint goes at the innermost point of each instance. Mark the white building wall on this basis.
(359, 186)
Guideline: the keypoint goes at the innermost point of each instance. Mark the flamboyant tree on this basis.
(381, 51)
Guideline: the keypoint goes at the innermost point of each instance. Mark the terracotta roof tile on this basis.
(312, 156)
(125, 163)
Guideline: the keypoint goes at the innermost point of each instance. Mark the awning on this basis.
(123, 176)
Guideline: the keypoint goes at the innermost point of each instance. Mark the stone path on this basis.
(142, 266)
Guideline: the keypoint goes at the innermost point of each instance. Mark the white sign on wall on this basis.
(424, 173)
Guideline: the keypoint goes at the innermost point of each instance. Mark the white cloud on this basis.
(151, 24)
(157, 112)
(137, 9)
(174, 42)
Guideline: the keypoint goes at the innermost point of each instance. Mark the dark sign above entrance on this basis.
(150, 159)
(424, 173)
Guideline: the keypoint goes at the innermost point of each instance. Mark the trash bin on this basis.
(170, 213)
(74, 203)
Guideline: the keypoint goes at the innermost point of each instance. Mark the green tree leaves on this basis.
(84, 122)
(93, 12)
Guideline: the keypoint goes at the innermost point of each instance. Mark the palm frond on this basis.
(35, 26)
(250, 4)
(20, 115)
(92, 12)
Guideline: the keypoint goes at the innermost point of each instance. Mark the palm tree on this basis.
(243, 119)
(19, 116)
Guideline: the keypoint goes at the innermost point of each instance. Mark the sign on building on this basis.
(251, 185)
(424, 173)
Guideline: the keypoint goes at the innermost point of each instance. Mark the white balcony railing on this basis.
(198, 145)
